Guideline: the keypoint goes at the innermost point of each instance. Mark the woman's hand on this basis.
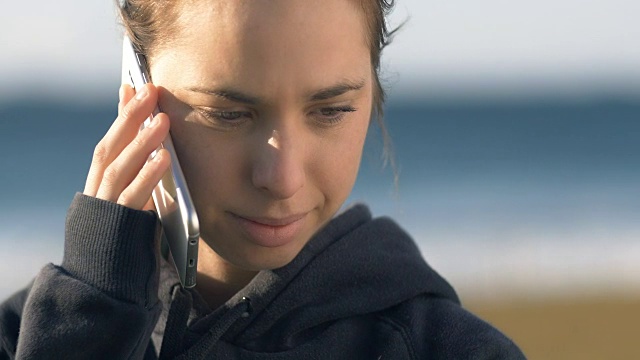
(119, 172)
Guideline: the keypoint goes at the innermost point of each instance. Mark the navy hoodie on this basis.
(358, 290)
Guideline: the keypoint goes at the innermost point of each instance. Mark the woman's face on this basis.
(269, 103)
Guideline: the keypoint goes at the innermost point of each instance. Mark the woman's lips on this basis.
(271, 232)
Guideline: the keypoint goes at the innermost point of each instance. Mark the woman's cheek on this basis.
(340, 169)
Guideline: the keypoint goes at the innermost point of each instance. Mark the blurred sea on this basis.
(505, 198)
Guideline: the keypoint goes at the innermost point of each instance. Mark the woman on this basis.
(268, 104)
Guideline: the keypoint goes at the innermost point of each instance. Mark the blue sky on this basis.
(447, 46)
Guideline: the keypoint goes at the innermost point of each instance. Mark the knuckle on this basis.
(163, 158)
(110, 176)
(138, 141)
(143, 177)
(124, 199)
(127, 111)
(100, 153)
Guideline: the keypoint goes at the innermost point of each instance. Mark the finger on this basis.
(125, 94)
(123, 130)
(137, 194)
(91, 183)
(121, 172)
(150, 205)
(127, 125)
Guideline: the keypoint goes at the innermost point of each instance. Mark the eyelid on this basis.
(339, 105)
(223, 108)
(214, 115)
(328, 121)
(343, 108)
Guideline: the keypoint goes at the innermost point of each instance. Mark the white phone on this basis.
(181, 230)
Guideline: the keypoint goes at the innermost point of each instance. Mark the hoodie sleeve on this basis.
(101, 302)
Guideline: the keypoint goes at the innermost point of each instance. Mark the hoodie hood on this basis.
(354, 266)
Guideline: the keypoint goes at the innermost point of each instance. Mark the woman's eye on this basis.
(333, 115)
(226, 117)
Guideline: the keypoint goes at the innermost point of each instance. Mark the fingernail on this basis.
(142, 93)
(121, 92)
(156, 158)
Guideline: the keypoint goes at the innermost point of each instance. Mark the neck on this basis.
(218, 280)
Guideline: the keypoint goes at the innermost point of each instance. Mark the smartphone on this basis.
(181, 230)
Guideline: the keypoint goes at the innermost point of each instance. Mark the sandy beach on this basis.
(582, 328)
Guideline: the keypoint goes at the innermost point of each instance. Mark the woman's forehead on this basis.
(269, 45)
(236, 20)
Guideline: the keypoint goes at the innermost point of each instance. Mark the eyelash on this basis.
(234, 118)
(227, 118)
(339, 111)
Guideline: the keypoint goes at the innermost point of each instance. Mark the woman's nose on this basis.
(278, 167)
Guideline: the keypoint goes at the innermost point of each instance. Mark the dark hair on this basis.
(149, 24)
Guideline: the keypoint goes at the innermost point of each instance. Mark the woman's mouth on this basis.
(268, 231)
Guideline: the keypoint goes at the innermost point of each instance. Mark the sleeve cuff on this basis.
(113, 248)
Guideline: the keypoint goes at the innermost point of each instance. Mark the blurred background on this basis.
(515, 127)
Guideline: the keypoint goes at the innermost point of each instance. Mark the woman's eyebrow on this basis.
(337, 90)
(228, 94)
(322, 94)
